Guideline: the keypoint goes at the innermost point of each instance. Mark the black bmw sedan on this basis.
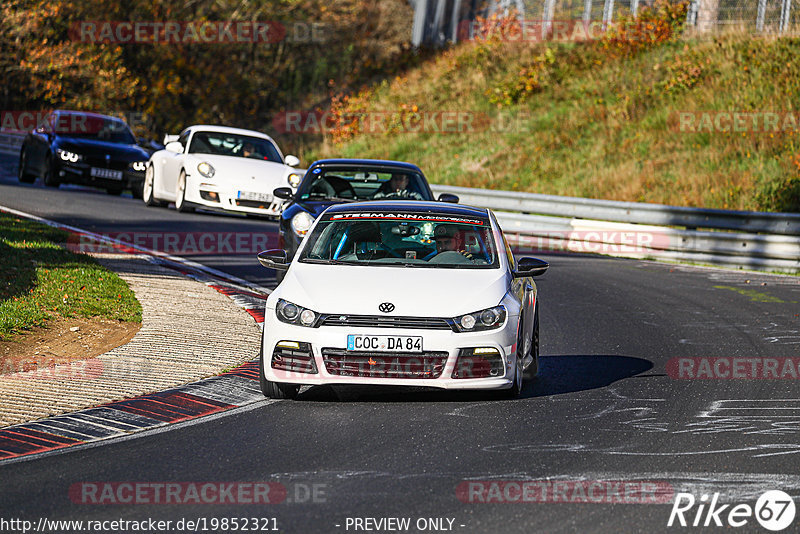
(84, 148)
(336, 181)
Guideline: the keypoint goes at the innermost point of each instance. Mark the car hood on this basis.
(357, 290)
(94, 147)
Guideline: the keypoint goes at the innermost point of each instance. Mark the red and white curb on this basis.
(236, 388)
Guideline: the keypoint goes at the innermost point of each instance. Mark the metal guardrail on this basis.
(535, 222)
(10, 143)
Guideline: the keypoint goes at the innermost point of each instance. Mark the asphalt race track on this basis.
(604, 408)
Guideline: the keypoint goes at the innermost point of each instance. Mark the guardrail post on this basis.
(454, 22)
(786, 9)
(547, 16)
(762, 11)
(420, 18)
(608, 12)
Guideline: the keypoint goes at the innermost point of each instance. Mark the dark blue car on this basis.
(335, 181)
(84, 148)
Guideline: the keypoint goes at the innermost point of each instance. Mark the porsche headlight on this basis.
(66, 155)
(139, 166)
(291, 313)
(205, 169)
(301, 223)
(487, 319)
(294, 179)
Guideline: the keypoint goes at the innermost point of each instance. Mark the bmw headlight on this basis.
(66, 155)
(139, 166)
(487, 319)
(301, 223)
(294, 179)
(291, 313)
(205, 169)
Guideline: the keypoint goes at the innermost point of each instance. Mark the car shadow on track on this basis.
(557, 375)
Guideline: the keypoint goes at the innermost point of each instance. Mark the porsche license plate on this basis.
(111, 174)
(252, 195)
(357, 342)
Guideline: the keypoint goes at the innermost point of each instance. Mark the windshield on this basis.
(106, 129)
(242, 146)
(363, 184)
(402, 240)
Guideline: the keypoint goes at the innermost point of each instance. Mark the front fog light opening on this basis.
(294, 356)
(211, 196)
(479, 362)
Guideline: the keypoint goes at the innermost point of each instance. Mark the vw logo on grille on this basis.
(386, 307)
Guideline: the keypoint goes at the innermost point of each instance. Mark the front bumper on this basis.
(81, 173)
(217, 198)
(444, 342)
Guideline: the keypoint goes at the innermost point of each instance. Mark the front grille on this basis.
(103, 164)
(385, 321)
(340, 362)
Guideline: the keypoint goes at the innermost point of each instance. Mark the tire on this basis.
(516, 387)
(180, 199)
(533, 369)
(49, 177)
(148, 188)
(137, 191)
(24, 176)
(114, 191)
(274, 390)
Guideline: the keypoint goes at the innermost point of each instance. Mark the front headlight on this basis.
(294, 179)
(291, 313)
(301, 223)
(487, 319)
(66, 155)
(139, 166)
(205, 169)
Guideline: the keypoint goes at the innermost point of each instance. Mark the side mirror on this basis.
(174, 146)
(274, 259)
(170, 138)
(291, 161)
(530, 267)
(284, 193)
(447, 197)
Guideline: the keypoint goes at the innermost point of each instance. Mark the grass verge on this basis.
(40, 279)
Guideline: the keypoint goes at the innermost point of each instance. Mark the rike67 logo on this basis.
(774, 510)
